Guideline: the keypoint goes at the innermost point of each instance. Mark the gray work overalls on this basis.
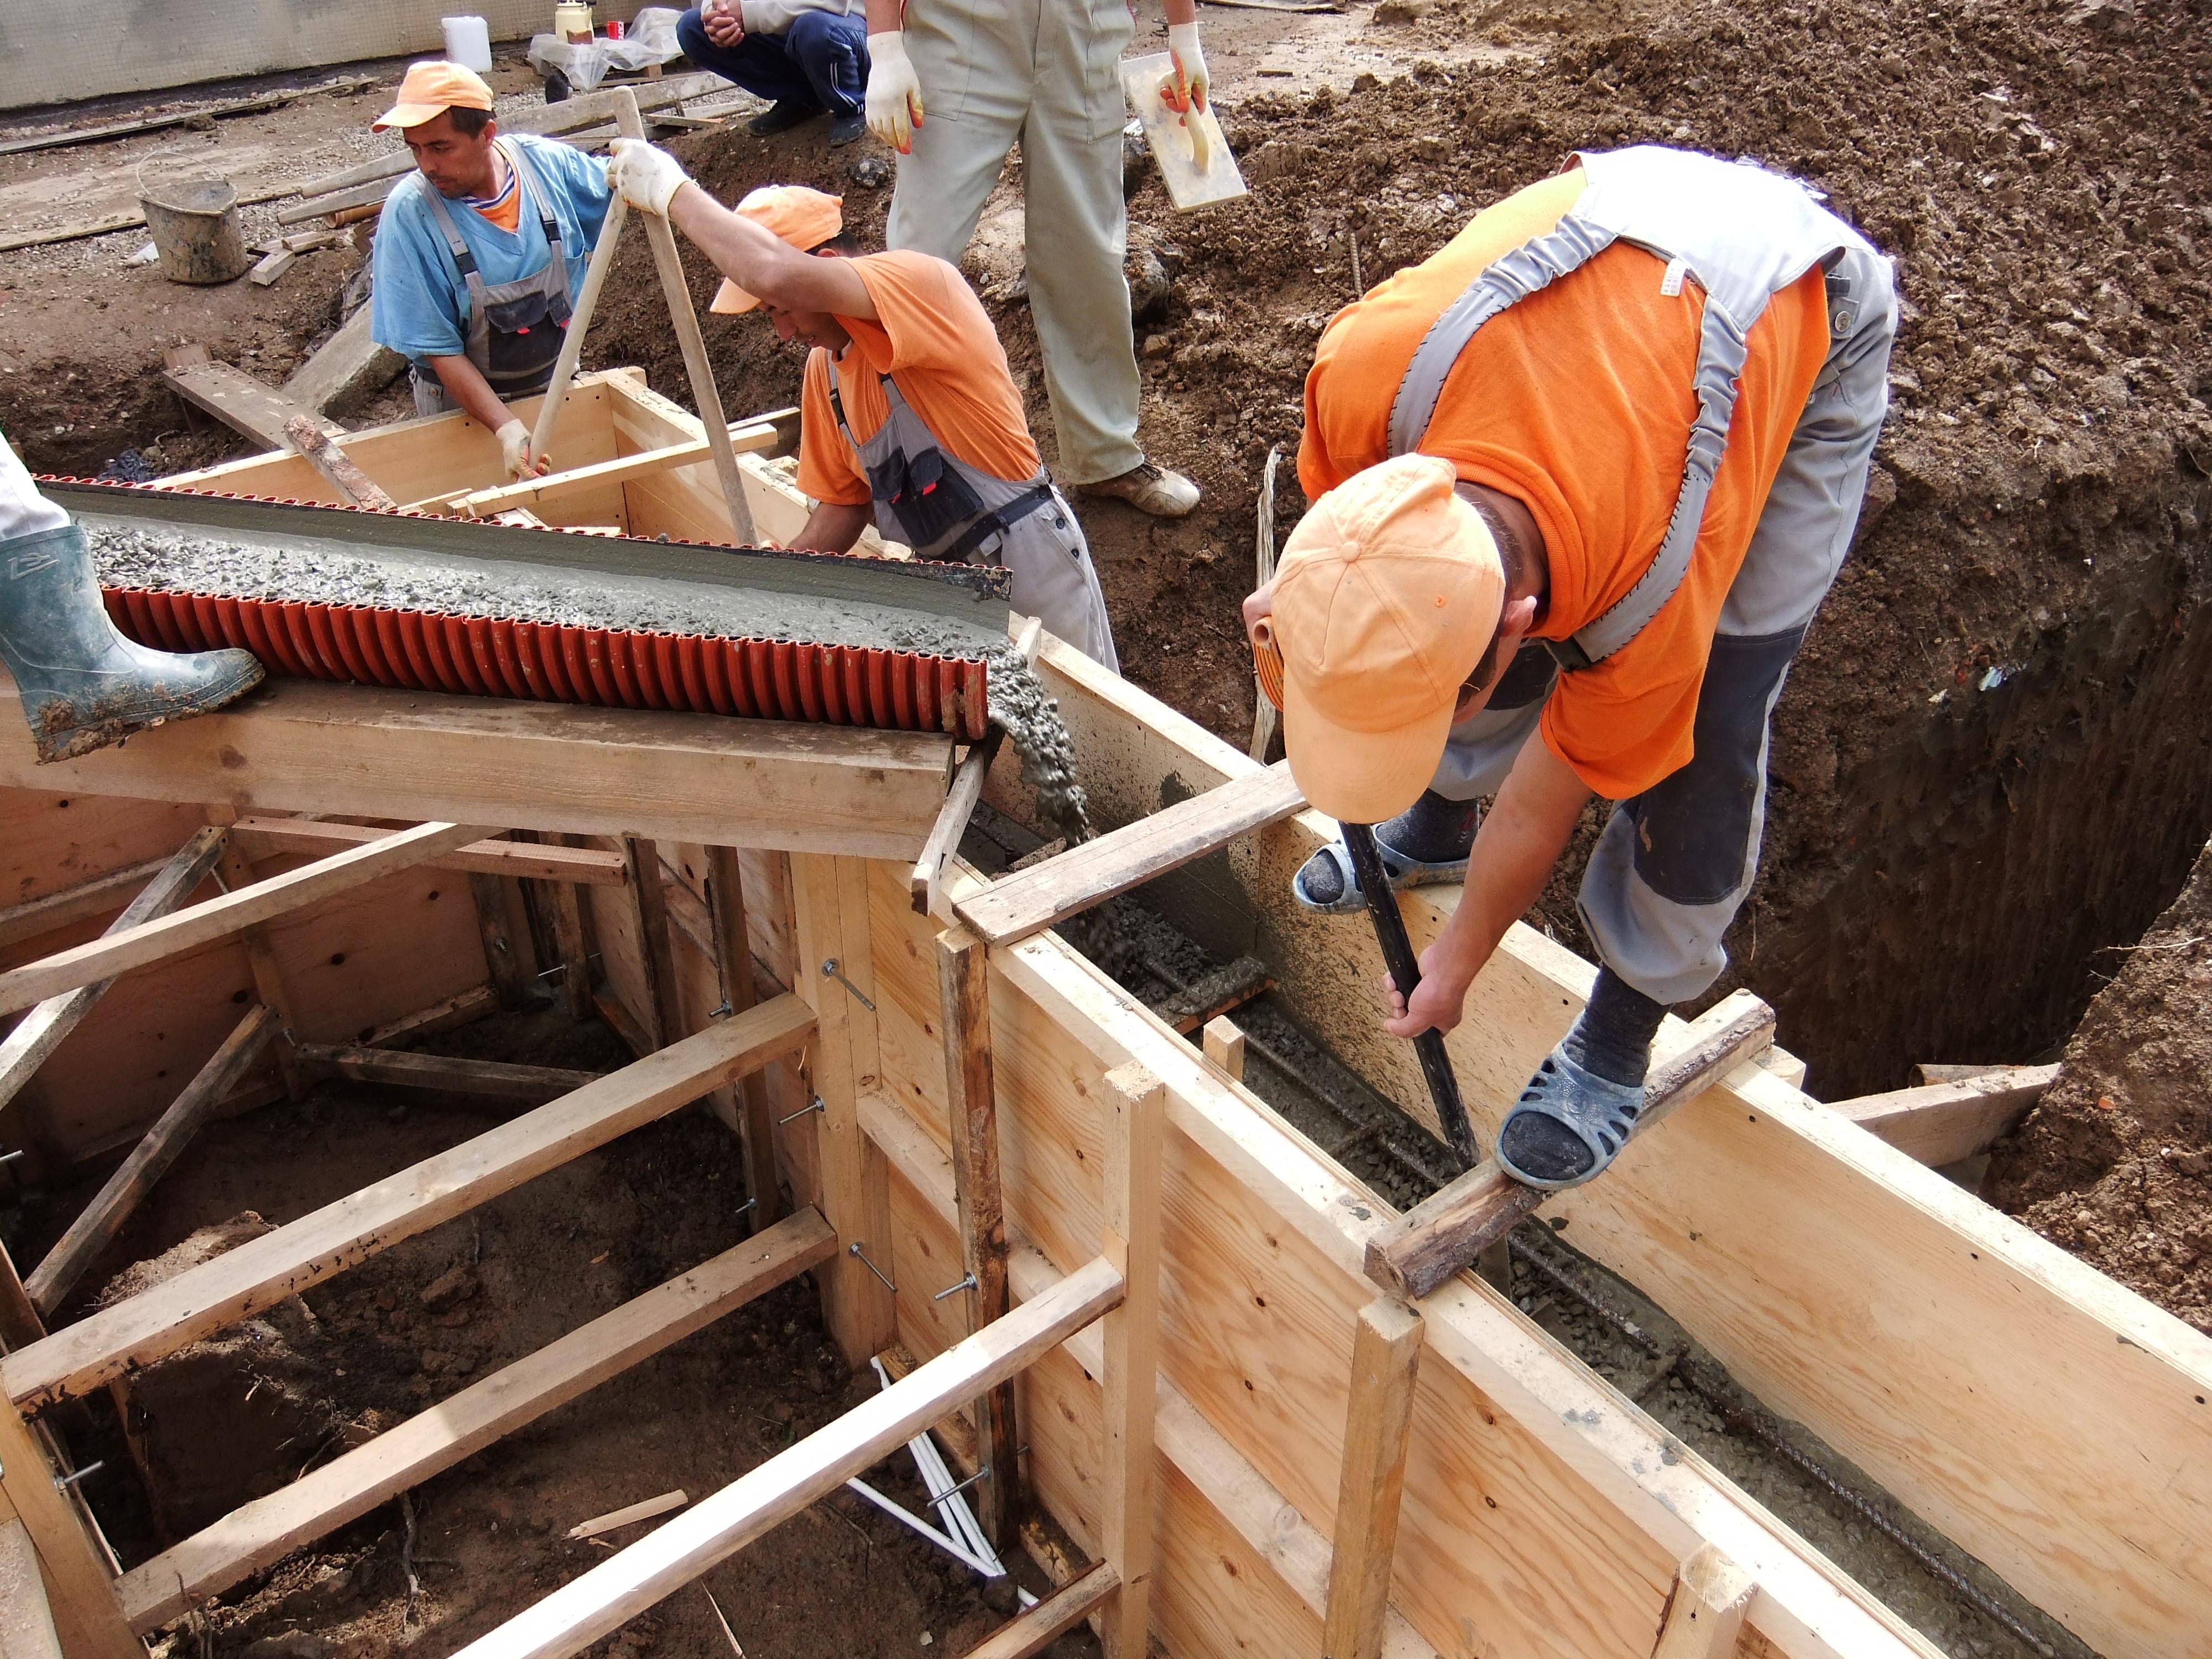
(943, 508)
(1676, 863)
(515, 329)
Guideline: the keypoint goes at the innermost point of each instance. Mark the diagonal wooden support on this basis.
(1704, 1614)
(1386, 1357)
(1062, 1610)
(495, 1080)
(235, 871)
(1135, 1106)
(547, 862)
(733, 962)
(964, 994)
(85, 1608)
(159, 939)
(1050, 892)
(1944, 1122)
(92, 1230)
(1444, 1233)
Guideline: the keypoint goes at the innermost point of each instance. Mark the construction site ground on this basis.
(1990, 771)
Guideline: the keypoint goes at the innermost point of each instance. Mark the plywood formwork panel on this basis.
(1262, 1286)
(2052, 1423)
(52, 841)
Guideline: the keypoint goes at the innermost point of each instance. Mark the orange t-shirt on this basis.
(504, 207)
(1578, 401)
(932, 333)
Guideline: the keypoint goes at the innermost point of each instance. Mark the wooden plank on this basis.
(1386, 1357)
(951, 824)
(1940, 1123)
(39, 1032)
(240, 402)
(1442, 1235)
(574, 942)
(618, 1590)
(263, 1532)
(663, 1016)
(156, 938)
(1224, 1045)
(1114, 863)
(27, 1619)
(494, 1079)
(660, 236)
(1134, 1107)
(535, 493)
(305, 434)
(266, 271)
(346, 368)
(651, 1508)
(95, 897)
(95, 1228)
(92, 1624)
(1065, 1608)
(585, 865)
(191, 115)
(963, 991)
(469, 1006)
(266, 1270)
(502, 960)
(1704, 1616)
(128, 221)
(235, 870)
(733, 966)
(531, 766)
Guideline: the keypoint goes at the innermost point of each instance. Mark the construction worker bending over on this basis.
(810, 57)
(908, 413)
(951, 88)
(82, 684)
(478, 255)
(1580, 482)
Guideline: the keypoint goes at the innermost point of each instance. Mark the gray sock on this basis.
(1433, 830)
(1613, 1034)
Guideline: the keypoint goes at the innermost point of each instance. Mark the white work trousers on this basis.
(23, 511)
(1045, 72)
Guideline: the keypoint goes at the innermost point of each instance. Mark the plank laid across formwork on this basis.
(1542, 1513)
(308, 747)
(2051, 1423)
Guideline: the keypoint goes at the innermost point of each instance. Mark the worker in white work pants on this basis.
(82, 684)
(952, 87)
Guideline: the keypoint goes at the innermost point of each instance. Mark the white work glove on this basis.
(514, 452)
(1192, 83)
(646, 177)
(894, 92)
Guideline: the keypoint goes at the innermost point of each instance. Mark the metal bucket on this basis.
(194, 221)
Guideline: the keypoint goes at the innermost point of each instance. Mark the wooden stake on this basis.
(85, 1607)
(1385, 1354)
(501, 961)
(319, 451)
(663, 1017)
(102, 1218)
(633, 1512)
(235, 869)
(662, 237)
(1134, 1105)
(964, 1000)
(734, 961)
(1224, 1045)
(1704, 1615)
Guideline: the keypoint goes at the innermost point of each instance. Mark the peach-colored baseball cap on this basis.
(429, 90)
(1388, 593)
(804, 218)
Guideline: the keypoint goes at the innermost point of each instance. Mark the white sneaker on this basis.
(1149, 488)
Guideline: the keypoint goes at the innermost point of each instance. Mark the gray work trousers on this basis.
(1045, 72)
(1676, 863)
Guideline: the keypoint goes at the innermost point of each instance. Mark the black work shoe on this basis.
(785, 114)
(844, 129)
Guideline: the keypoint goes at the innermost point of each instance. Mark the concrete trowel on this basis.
(1194, 158)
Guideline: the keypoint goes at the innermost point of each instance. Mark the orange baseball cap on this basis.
(429, 90)
(1388, 593)
(804, 218)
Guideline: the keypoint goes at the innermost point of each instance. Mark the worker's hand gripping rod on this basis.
(1406, 973)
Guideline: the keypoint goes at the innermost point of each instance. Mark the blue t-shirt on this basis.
(421, 303)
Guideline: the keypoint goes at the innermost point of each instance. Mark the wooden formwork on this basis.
(2051, 1423)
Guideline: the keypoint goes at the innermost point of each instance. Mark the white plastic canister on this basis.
(468, 42)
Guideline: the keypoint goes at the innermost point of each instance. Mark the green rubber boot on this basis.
(85, 686)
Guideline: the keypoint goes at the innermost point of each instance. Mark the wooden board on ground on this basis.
(237, 399)
(347, 368)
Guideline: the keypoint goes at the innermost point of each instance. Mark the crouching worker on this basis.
(908, 415)
(479, 253)
(1624, 416)
(82, 684)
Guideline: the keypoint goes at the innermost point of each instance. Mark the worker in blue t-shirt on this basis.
(478, 255)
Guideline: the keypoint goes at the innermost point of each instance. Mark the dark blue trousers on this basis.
(821, 60)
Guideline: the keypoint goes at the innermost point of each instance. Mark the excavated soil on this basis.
(2115, 1163)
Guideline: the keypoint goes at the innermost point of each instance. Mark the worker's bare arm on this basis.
(1519, 843)
(763, 265)
(466, 385)
(832, 527)
(1178, 11)
(888, 16)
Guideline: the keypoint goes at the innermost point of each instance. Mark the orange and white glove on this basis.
(894, 91)
(646, 177)
(1192, 83)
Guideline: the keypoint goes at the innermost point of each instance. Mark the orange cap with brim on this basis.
(804, 218)
(1388, 594)
(429, 90)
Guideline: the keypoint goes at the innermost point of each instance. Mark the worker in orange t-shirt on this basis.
(1580, 482)
(909, 415)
